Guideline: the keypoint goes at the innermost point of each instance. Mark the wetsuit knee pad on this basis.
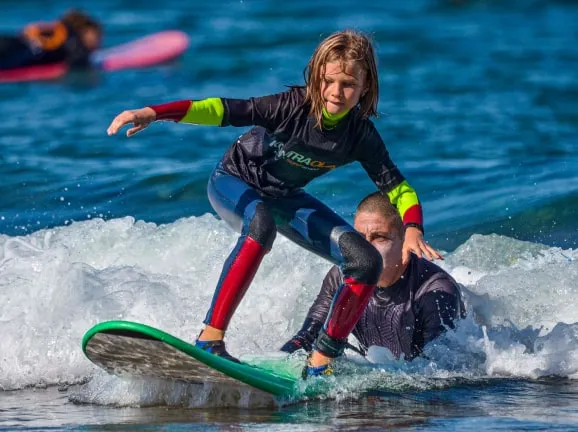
(262, 227)
(360, 259)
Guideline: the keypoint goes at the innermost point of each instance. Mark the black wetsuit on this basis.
(285, 151)
(403, 317)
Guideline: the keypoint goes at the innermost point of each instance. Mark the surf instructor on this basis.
(413, 303)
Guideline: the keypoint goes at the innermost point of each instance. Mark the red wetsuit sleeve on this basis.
(173, 111)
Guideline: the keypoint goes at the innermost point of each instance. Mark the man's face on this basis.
(383, 235)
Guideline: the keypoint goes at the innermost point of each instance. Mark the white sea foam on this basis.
(55, 284)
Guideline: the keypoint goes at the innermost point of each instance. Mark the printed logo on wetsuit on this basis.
(297, 159)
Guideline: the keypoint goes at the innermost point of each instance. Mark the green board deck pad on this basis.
(128, 348)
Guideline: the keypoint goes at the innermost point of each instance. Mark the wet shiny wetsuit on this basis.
(403, 317)
(43, 44)
(257, 188)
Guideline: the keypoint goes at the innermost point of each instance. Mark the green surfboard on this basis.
(128, 348)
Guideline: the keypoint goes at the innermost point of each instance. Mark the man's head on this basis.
(381, 225)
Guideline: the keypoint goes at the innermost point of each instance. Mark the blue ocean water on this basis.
(479, 109)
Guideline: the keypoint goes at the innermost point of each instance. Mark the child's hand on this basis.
(140, 118)
(415, 243)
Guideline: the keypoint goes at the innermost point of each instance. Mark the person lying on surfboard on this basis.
(414, 302)
(257, 187)
(71, 39)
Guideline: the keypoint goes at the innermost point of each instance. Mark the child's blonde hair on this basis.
(344, 46)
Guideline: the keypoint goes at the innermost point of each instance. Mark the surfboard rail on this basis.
(130, 348)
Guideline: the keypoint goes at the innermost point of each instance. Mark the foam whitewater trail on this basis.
(57, 283)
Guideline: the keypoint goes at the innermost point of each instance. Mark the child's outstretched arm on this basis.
(266, 111)
(205, 112)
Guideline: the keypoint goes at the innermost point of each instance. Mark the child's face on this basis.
(342, 88)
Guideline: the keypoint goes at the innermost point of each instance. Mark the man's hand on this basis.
(295, 344)
(304, 338)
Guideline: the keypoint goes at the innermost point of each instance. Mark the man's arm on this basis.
(436, 311)
(317, 314)
(439, 310)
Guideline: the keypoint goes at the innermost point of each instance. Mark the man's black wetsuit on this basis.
(404, 317)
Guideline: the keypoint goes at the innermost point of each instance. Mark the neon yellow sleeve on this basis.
(405, 199)
(207, 112)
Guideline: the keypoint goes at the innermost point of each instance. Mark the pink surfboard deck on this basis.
(147, 51)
